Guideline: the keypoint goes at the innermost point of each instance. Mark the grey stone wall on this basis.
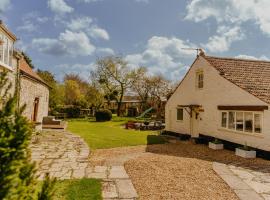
(29, 90)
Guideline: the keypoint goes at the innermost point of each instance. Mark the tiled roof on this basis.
(28, 71)
(250, 75)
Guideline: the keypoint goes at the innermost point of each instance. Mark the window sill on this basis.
(6, 66)
(242, 133)
(179, 121)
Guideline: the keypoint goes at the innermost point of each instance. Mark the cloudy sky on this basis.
(68, 35)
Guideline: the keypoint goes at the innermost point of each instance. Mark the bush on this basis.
(103, 115)
(73, 112)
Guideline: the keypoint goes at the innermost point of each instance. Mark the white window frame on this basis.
(238, 131)
(9, 44)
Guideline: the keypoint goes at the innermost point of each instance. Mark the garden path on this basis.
(66, 156)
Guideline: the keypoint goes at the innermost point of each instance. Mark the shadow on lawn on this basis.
(187, 149)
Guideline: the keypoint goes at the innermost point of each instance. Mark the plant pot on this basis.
(215, 146)
(245, 153)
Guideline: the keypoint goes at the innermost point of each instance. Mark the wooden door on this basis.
(35, 112)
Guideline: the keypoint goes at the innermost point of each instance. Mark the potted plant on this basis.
(216, 144)
(245, 152)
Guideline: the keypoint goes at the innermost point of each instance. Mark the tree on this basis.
(17, 179)
(72, 92)
(114, 77)
(28, 60)
(160, 89)
(56, 96)
(142, 86)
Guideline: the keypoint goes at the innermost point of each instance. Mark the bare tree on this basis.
(114, 77)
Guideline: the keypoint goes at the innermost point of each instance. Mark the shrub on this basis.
(73, 112)
(103, 115)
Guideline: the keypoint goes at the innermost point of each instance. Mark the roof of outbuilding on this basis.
(28, 71)
(250, 75)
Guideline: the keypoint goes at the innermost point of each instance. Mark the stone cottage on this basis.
(33, 91)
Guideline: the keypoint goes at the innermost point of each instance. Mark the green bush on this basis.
(103, 115)
(72, 112)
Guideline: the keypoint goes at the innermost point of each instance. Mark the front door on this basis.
(194, 124)
(35, 112)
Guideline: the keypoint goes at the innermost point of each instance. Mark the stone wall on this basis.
(30, 90)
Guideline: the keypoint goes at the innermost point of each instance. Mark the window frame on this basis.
(179, 108)
(244, 122)
(199, 79)
(7, 50)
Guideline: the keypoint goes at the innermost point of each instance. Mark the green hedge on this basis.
(103, 115)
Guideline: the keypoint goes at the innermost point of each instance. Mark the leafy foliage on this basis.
(103, 115)
(28, 60)
(47, 190)
(17, 179)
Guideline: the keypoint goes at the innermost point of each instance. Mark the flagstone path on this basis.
(247, 183)
(65, 156)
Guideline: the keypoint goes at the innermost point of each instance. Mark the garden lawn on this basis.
(102, 135)
(82, 189)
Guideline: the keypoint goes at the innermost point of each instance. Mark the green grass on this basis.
(82, 189)
(102, 135)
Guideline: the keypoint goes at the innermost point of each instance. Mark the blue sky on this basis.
(66, 36)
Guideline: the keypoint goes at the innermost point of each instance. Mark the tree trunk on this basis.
(119, 103)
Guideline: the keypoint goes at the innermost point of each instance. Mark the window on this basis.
(231, 120)
(242, 121)
(224, 119)
(180, 114)
(6, 50)
(248, 122)
(239, 121)
(199, 79)
(257, 123)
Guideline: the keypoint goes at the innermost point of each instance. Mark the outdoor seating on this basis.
(50, 122)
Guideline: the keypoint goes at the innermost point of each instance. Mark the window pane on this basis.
(10, 53)
(257, 123)
(239, 121)
(231, 120)
(6, 51)
(179, 114)
(224, 119)
(1, 48)
(248, 121)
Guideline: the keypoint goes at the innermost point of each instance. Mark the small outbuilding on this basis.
(225, 98)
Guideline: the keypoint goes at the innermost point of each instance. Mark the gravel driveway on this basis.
(175, 171)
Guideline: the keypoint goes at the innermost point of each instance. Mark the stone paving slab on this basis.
(65, 156)
(243, 190)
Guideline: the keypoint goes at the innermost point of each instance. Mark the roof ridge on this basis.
(240, 59)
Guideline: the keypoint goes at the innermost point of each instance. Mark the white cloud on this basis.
(27, 26)
(86, 24)
(263, 57)
(107, 51)
(98, 33)
(80, 23)
(231, 11)
(59, 7)
(163, 55)
(68, 43)
(224, 38)
(4, 4)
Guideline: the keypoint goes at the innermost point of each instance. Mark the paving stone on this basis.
(221, 168)
(125, 189)
(100, 169)
(78, 173)
(258, 187)
(266, 196)
(243, 174)
(247, 195)
(117, 172)
(109, 190)
(97, 175)
(234, 182)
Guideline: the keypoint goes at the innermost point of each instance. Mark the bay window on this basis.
(242, 121)
(6, 50)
